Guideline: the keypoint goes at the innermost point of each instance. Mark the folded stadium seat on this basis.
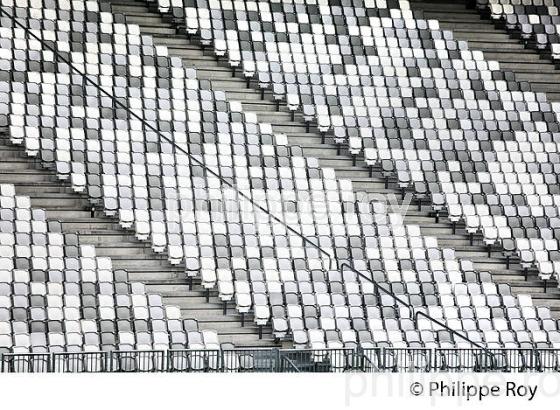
(130, 170)
(79, 285)
(476, 56)
(536, 21)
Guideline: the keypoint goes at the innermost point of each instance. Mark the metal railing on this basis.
(372, 360)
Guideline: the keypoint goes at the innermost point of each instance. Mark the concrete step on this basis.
(494, 37)
(546, 78)
(439, 6)
(473, 26)
(488, 46)
(520, 55)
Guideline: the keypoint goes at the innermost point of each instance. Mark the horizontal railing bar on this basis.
(420, 359)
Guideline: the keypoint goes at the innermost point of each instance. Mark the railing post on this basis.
(277, 361)
(533, 360)
(50, 363)
(429, 360)
(109, 361)
(359, 358)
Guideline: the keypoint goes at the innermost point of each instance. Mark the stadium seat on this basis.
(217, 191)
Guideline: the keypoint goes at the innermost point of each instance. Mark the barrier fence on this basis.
(287, 361)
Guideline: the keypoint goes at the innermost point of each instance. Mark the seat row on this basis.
(422, 106)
